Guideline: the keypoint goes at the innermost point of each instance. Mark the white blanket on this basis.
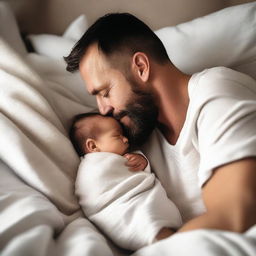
(40, 214)
(130, 207)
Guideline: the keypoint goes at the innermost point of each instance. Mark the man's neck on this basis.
(170, 87)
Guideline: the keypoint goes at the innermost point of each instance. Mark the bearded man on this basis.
(208, 119)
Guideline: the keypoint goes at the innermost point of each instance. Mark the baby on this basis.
(116, 189)
(89, 137)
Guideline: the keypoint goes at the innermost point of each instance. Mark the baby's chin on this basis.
(125, 151)
(120, 151)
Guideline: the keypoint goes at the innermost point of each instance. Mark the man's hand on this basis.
(136, 162)
(229, 197)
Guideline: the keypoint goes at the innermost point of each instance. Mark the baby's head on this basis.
(92, 132)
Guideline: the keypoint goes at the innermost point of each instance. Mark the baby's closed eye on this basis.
(118, 136)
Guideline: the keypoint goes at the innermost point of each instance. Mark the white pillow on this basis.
(77, 28)
(50, 65)
(224, 38)
(52, 46)
(56, 47)
(54, 72)
(9, 29)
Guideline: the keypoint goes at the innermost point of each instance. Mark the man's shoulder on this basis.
(220, 82)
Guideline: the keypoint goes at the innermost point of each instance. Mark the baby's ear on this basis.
(91, 146)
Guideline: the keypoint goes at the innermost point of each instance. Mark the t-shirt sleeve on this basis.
(226, 128)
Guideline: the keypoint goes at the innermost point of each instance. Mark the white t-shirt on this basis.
(220, 127)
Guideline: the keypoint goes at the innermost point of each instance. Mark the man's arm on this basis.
(230, 198)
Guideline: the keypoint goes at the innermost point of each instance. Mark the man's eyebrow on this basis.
(97, 91)
(94, 92)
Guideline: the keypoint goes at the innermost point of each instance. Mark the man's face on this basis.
(116, 96)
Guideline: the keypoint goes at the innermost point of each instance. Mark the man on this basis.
(210, 115)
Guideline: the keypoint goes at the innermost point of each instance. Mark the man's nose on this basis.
(104, 108)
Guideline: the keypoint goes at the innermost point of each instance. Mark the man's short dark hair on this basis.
(118, 33)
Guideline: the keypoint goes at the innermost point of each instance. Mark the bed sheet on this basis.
(38, 163)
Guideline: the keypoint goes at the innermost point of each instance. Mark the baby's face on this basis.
(111, 138)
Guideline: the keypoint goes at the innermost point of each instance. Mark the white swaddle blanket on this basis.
(130, 207)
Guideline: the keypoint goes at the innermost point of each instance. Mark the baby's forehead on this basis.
(110, 121)
(101, 121)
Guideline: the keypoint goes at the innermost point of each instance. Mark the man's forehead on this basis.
(91, 58)
(92, 68)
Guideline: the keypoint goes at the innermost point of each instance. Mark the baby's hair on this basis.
(78, 138)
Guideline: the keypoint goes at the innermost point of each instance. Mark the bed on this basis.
(39, 212)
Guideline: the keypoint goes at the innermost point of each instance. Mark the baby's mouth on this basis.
(126, 150)
(127, 145)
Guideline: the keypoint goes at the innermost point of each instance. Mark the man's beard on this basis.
(143, 114)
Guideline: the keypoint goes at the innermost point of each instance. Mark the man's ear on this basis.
(91, 146)
(141, 66)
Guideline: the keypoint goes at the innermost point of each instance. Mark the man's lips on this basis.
(119, 116)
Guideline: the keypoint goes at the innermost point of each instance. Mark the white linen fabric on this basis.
(51, 45)
(33, 131)
(219, 128)
(30, 221)
(130, 207)
(224, 38)
(77, 28)
(204, 242)
(56, 47)
(38, 166)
